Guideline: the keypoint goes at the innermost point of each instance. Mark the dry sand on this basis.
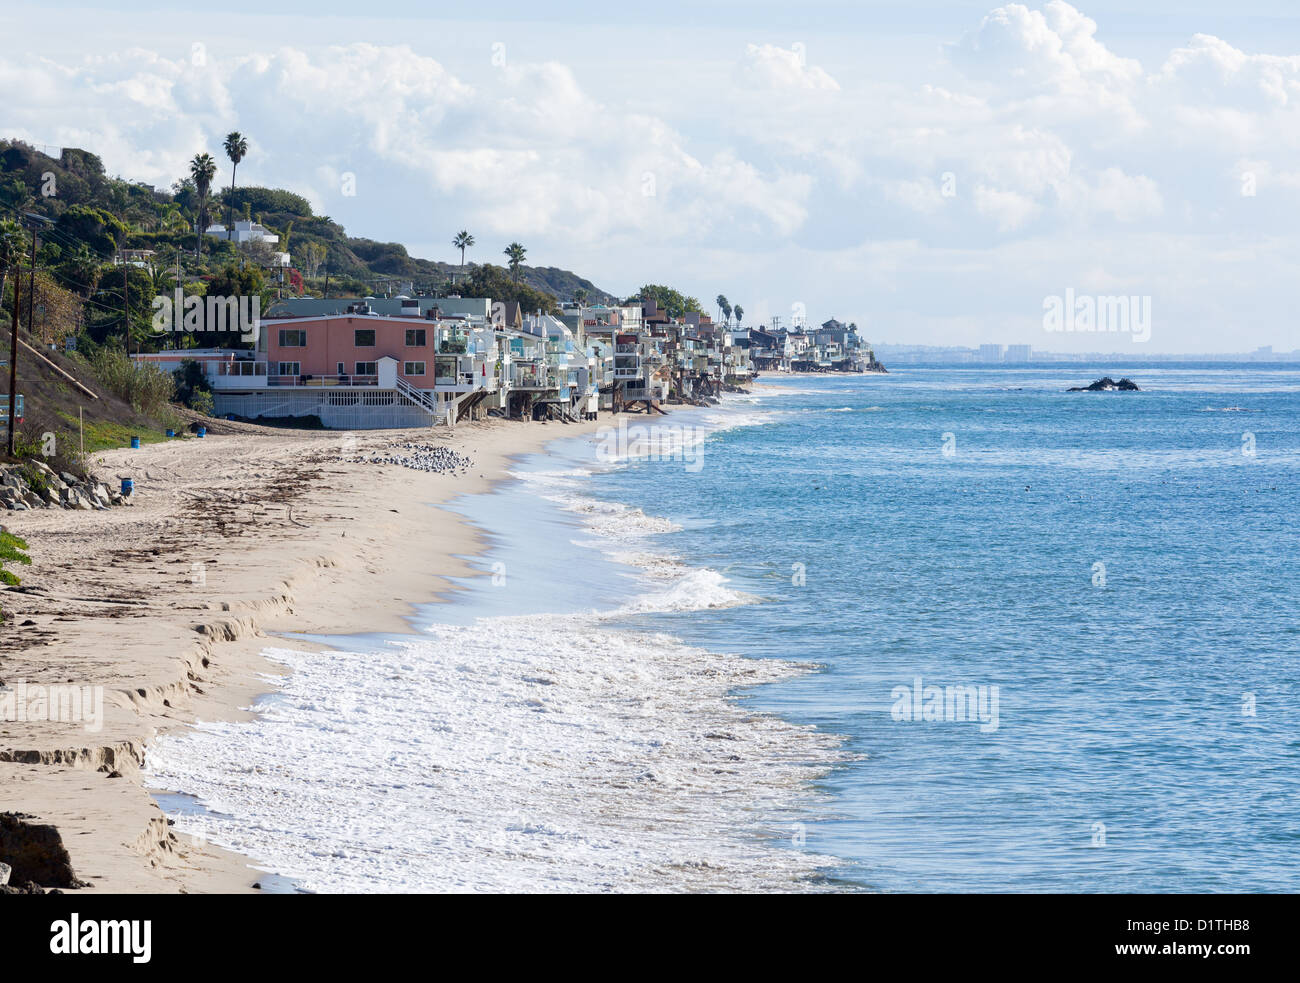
(166, 604)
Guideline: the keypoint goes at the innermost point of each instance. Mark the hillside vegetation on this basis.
(94, 214)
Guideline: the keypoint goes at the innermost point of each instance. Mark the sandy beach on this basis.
(167, 603)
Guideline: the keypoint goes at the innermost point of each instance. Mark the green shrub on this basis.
(146, 387)
(11, 551)
(192, 387)
(36, 479)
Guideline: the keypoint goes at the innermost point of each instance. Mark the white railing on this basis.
(643, 392)
(422, 398)
(307, 380)
(242, 369)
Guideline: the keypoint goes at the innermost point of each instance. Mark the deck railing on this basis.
(321, 381)
(241, 369)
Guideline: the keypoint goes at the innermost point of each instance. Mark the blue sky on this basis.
(933, 171)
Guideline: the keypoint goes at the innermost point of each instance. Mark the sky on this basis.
(940, 173)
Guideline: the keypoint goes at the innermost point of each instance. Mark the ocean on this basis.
(942, 630)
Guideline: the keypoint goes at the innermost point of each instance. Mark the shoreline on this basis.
(538, 763)
(167, 605)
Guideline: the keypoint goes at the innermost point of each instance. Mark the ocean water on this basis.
(690, 658)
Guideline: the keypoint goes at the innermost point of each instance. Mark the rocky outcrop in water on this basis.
(1107, 385)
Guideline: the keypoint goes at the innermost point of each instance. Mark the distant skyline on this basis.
(935, 173)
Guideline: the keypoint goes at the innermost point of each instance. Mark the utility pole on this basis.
(174, 340)
(13, 358)
(31, 288)
(126, 304)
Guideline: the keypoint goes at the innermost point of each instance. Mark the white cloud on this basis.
(1212, 71)
(770, 66)
(528, 149)
(1007, 208)
(1055, 48)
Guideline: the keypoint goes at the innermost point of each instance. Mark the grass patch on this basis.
(105, 435)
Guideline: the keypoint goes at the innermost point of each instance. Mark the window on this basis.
(290, 368)
(415, 337)
(343, 368)
(367, 368)
(412, 368)
(364, 338)
(293, 338)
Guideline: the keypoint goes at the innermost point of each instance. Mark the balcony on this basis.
(320, 381)
(464, 382)
(643, 392)
(243, 374)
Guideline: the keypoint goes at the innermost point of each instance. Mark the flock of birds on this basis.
(422, 457)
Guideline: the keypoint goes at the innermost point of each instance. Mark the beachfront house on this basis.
(354, 367)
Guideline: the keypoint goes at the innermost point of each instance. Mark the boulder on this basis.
(1107, 385)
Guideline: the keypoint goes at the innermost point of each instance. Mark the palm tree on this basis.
(236, 149)
(724, 308)
(740, 313)
(462, 242)
(516, 254)
(202, 170)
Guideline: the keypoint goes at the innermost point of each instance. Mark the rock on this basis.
(1107, 385)
(35, 851)
(5, 871)
(70, 479)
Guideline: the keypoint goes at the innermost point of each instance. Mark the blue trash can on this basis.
(128, 486)
(135, 443)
